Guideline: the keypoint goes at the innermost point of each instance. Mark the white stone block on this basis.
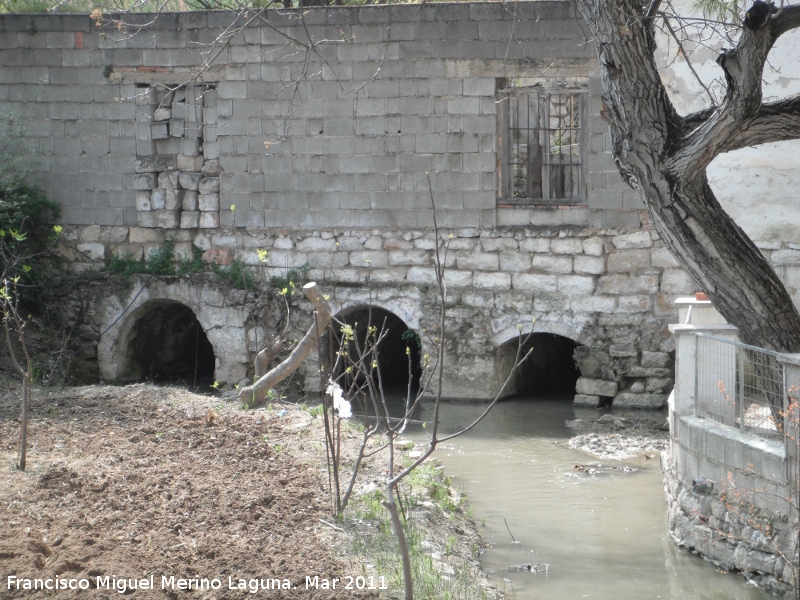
(190, 164)
(189, 181)
(575, 285)
(566, 246)
(592, 265)
(173, 199)
(552, 264)
(491, 281)
(143, 201)
(144, 181)
(94, 250)
(162, 114)
(534, 282)
(168, 180)
(209, 220)
(638, 239)
(158, 200)
(167, 219)
(208, 185)
(515, 261)
(596, 387)
(208, 202)
(190, 219)
(189, 200)
(145, 219)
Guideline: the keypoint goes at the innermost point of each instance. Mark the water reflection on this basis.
(603, 537)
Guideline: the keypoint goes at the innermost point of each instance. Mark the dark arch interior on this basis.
(393, 362)
(170, 346)
(549, 371)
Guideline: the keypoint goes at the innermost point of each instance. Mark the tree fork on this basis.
(666, 163)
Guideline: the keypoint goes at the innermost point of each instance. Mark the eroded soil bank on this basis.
(129, 483)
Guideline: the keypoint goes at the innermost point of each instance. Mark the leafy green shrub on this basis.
(237, 274)
(293, 277)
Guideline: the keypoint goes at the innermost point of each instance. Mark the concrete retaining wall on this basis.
(743, 515)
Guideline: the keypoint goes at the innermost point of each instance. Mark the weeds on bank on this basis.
(433, 578)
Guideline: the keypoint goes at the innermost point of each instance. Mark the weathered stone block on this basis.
(534, 282)
(502, 244)
(209, 220)
(155, 163)
(143, 201)
(566, 246)
(158, 199)
(596, 387)
(586, 400)
(421, 275)
(208, 185)
(628, 284)
(168, 180)
(634, 304)
(659, 384)
(552, 264)
(477, 262)
(167, 219)
(638, 239)
(189, 181)
(629, 261)
(375, 260)
(655, 359)
(592, 265)
(515, 261)
(162, 114)
(208, 202)
(575, 285)
(145, 219)
(145, 236)
(491, 281)
(173, 199)
(212, 168)
(145, 181)
(630, 400)
(535, 245)
(593, 246)
(93, 250)
(190, 219)
(410, 257)
(190, 164)
(189, 200)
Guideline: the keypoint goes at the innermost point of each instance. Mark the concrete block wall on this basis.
(387, 95)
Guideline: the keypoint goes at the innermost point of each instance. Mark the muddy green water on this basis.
(601, 537)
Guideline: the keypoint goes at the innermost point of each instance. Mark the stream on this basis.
(587, 531)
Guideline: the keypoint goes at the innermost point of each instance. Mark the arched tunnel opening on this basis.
(548, 372)
(393, 359)
(168, 345)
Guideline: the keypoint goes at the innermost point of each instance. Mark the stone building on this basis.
(327, 137)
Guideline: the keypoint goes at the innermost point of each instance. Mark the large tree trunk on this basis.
(665, 156)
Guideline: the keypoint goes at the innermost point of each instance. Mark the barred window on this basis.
(541, 142)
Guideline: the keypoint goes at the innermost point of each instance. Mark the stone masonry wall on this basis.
(335, 160)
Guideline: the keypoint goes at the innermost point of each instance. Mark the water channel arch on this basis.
(172, 328)
(549, 370)
(393, 360)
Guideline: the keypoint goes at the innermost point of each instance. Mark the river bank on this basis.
(137, 484)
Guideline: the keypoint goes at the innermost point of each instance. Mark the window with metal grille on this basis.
(541, 142)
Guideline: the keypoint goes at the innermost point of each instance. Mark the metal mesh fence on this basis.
(739, 386)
